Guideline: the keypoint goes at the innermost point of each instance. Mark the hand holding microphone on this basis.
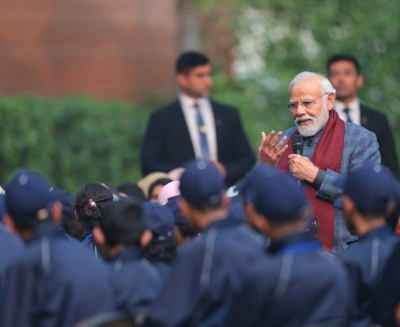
(301, 167)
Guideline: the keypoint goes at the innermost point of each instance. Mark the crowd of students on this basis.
(198, 254)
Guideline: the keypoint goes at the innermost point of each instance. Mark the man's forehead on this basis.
(307, 87)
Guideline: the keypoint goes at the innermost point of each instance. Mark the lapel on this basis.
(219, 126)
(364, 116)
(179, 124)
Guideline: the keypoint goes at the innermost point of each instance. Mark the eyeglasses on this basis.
(307, 103)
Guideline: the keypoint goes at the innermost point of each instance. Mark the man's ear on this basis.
(360, 81)
(225, 201)
(184, 207)
(348, 205)
(255, 219)
(331, 100)
(76, 215)
(145, 238)
(99, 235)
(181, 79)
(9, 223)
(56, 212)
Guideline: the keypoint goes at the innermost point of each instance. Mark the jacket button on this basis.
(309, 143)
(327, 196)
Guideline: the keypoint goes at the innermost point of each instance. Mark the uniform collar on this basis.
(297, 239)
(129, 254)
(220, 224)
(46, 229)
(380, 232)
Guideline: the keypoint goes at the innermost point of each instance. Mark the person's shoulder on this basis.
(355, 252)
(223, 106)
(354, 130)
(167, 109)
(372, 113)
(28, 258)
(140, 268)
(10, 240)
(249, 237)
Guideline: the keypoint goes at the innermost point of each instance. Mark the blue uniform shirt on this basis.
(10, 247)
(295, 283)
(365, 261)
(163, 268)
(136, 281)
(206, 275)
(55, 282)
(89, 242)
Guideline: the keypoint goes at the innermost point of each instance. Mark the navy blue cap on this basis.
(68, 202)
(2, 206)
(28, 195)
(201, 184)
(371, 187)
(173, 206)
(159, 219)
(274, 194)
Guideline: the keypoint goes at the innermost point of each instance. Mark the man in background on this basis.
(344, 72)
(194, 126)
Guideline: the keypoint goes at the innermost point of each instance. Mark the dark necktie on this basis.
(205, 153)
(347, 112)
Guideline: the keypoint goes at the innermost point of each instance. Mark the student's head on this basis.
(369, 197)
(273, 202)
(344, 72)
(160, 222)
(123, 225)
(156, 187)
(89, 204)
(68, 203)
(132, 191)
(29, 200)
(193, 74)
(202, 191)
(183, 231)
(169, 190)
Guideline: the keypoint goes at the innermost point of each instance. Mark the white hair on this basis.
(326, 86)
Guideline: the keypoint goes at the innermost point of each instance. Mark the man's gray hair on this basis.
(325, 84)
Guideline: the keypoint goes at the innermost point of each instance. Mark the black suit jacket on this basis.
(167, 144)
(377, 122)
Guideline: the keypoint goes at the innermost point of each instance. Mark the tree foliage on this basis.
(276, 39)
(72, 141)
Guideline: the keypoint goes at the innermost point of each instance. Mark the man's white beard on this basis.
(319, 122)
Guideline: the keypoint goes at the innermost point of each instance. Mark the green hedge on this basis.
(72, 141)
(78, 139)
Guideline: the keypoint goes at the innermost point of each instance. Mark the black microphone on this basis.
(297, 143)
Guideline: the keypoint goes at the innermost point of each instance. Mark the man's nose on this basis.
(300, 110)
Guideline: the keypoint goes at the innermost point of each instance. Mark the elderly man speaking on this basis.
(328, 148)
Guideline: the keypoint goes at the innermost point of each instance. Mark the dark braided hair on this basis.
(89, 204)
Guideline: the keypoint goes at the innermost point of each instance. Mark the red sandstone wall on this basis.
(104, 48)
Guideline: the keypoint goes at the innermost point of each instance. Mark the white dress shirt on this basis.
(354, 113)
(189, 111)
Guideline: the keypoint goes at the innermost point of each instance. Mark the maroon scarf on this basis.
(327, 155)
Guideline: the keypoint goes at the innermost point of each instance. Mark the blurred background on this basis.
(78, 78)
